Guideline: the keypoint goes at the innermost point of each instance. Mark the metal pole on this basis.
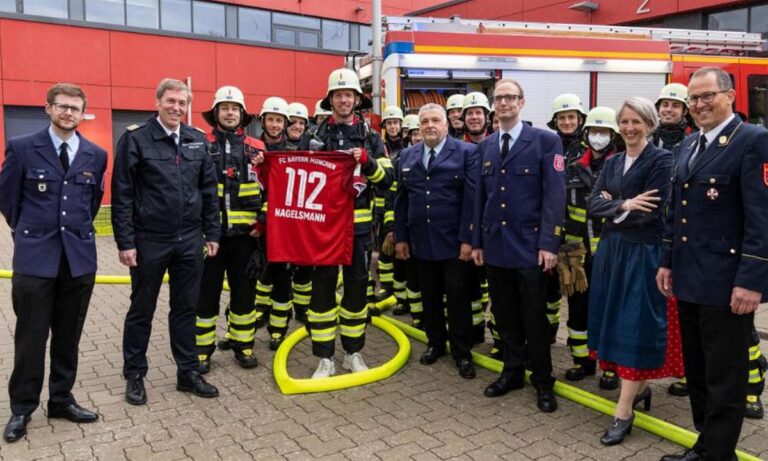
(376, 55)
(189, 108)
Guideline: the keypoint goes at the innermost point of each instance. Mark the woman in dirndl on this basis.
(630, 328)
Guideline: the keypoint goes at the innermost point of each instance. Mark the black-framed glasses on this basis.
(63, 108)
(706, 98)
(506, 98)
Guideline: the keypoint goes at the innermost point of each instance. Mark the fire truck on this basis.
(429, 59)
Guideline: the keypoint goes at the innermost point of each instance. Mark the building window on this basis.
(294, 30)
(176, 15)
(143, 13)
(758, 99)
(335, 35)
(366, 35)
(209, 19)
(50, 8)
(300, 22)
(106, 11)
(734, 20)
(254, 25)
(8, 6)
(758, 19)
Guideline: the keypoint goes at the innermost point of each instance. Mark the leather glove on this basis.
(566, 278)
(576, 255)
(388, 246)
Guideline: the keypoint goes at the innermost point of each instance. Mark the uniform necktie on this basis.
(431, 158)
(505, 145)
(174, 137)
(64, 156)
(702, 147)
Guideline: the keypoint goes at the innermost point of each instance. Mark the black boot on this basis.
(619, 428)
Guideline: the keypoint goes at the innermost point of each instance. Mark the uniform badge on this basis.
(487, 163)
(722, 140)
(712, 193)
(559, 162)
(42, 187)
(87, 173)
(765, 174)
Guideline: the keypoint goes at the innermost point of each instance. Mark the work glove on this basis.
(576, 263)
(566, 278)
(388, 245)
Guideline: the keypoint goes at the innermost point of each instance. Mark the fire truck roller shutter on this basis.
(542, 87)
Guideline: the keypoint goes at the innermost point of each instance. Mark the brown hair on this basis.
(67, 89)
(512, 81)
(172, 84)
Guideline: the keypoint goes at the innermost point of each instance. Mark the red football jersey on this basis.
(311, 206)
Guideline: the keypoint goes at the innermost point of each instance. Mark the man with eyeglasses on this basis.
(715, 258)
(51, 186)
(518, 214)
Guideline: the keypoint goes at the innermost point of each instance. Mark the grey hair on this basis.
(644, 108)
(724, 81)
(433, 107)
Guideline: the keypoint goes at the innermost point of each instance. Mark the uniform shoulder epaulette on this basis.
(133, 127)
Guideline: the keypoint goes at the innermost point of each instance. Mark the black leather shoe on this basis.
(16, 428)
(193, 382)
(687, 455)
(466, 368)
(135, 394)
(503, 385)
(618, 430)
(72, 412)
(431, 355)
(545, 400)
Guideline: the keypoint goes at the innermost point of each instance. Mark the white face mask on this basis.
(599, 141)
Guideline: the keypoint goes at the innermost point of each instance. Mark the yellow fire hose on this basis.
(648, 423)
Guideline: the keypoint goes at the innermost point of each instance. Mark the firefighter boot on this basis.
(679, 388)
(275, 340)
(754, 407)
(580, 371)
(609, 381)
(245, 358)
(205, 363)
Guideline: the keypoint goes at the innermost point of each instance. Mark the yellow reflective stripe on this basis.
(389, 216)
(478, 318)
(399, 285)
(363, 216)
(393, 187)
(553, 318)
(352, 331)
(249, 189)
(205, 323)
(580, 350)
(379, 202)
(263, 287)
(575, 334)
(754, 376)
(318, 317)
(554, 306)
(323, 335)
(385, 266)
(264, 207)
(349, 315)
(263, 299)
(281, 306)
(384, 162)
(278, 321)
(220, 190)
(377, 175)
(301, 286)
(242, 319)
(416, 308)
(241, 217)
(573, 238)
(577, 214)
(593, 242)
(477, 305)
(242, 336)
(386, 277)
(205, 339)
(413, 294)
(754, 352)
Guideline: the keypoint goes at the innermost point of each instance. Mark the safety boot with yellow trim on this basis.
(245, 358)
(205, 363)
(579, 372)
(754, 407)
(609, 381)
(225, 344)
(679, 388)
(275, 341)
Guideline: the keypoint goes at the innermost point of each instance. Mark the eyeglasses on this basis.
(506, 98)
(63, 108)
(706, 98)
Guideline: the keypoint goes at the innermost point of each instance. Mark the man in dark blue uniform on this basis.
(715, 258)
(433, 215)
(164, 211)
(51, 186)
(518, 214)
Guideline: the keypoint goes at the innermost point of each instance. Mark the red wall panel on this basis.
(27, 53)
